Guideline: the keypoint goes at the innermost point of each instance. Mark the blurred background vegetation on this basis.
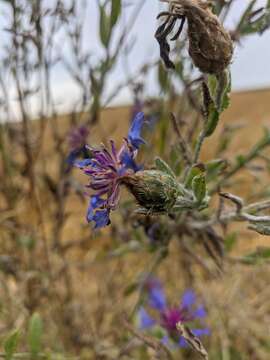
(63, 286)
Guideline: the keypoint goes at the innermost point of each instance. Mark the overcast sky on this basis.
(250, 67)
(251, 62)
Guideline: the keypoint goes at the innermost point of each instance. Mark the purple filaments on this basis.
(187, 312)
(106, 169)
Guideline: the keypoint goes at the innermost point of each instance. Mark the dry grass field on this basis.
(239, 308)
(249, 109)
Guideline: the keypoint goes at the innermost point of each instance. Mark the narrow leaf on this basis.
(104, 26)
(10, 344)
(115, 11)
(34, 334)
(163, 166)
(197, 169)
(199, 187)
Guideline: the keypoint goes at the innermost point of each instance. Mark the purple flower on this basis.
(188, 311)
(106, 169)
(77, 140)
(77, 137)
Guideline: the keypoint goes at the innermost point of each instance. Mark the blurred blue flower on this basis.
(188, 311)
(145, 319)
(77, 139)
(157, 299)
(106, 170)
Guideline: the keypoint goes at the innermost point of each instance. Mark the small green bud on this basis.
(155, 191)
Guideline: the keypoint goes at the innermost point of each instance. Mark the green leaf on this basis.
(115, 11)
(245, 15)
(26, 241)
(229, 241)
(225, 87)
(261, 255)
(212, 120)
(164, 167)
(34, 334)
(104, 26)
(241, 160)
(163, 77)
(218, 88)
(263, 229)
(199, 187)
(11, 344)
(195, 170)
(131, 288)
(212, 114)
(176, 160)
(215, 167)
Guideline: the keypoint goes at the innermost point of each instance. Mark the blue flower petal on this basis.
(90, 213)
(201, 332)
(97, 201)
(188, 299)
(82, 163)
(72, 157)
(129, 162)
(145, 319)
(101, 218)
(200, 312)
(182, 342)
(157, 299)
(165, 340)
(134, 134)
(94, 203)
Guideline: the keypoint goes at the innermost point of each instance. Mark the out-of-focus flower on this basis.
(187, 312)
(106, 170)
(77, 139)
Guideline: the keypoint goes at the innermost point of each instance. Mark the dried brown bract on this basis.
(210, 45)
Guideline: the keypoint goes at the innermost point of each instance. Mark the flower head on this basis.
(106, 169)
(155, 190)
(188, 311)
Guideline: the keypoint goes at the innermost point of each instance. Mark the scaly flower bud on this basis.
(154, 190)
(210, 45)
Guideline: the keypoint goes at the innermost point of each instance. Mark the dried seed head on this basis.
(210, 45)
(154, 190)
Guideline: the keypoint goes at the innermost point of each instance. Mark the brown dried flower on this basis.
(210, 45)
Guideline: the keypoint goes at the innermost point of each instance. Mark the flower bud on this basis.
(155, 191)
(210, 45)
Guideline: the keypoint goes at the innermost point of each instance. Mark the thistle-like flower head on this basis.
(187, 312)
(106, 169)
(154, 190)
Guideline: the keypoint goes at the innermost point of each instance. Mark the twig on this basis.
(235, 199)
(153, 266)
(192, 340)
(182, 142)
(162, 352)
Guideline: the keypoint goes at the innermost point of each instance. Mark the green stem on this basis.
(197, 152)
(157, 259)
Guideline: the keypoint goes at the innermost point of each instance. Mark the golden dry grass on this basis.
(238, 302)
